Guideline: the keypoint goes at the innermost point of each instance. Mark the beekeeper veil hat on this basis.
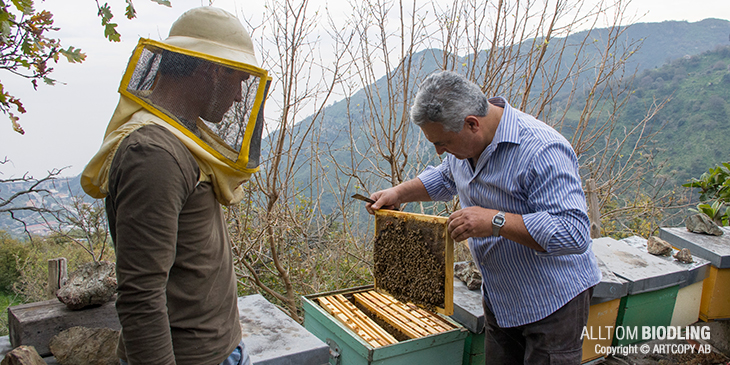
(204, 81)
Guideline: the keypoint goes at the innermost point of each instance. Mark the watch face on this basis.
(498, 220)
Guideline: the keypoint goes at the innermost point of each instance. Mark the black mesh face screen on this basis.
(213, 101)
(254, 149)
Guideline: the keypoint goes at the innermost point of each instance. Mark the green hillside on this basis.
(695, 122)
(669, 40)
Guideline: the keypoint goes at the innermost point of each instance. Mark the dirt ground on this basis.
(681, 352)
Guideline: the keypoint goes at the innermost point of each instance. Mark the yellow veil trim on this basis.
(130, 116)
(238, 162)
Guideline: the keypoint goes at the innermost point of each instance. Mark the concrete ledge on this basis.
(273, 338)
(35, 324)
(468, 309)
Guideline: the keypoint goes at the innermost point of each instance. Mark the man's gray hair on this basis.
(448, 98)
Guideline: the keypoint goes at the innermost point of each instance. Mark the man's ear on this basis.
(472, 123)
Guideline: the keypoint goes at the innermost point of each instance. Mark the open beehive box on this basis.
(402, 318)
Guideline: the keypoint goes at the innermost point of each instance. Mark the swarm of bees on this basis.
(405, 265)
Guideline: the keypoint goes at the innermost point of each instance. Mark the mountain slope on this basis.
(342, 123)
(695, 123)
(672, 62)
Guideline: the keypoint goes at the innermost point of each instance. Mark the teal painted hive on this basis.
(653, 308)
(348, 348)
(474, 349)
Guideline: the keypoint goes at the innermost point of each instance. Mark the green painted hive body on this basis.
(469, 313)
(347, 348)
(474, 349)
(645, 309)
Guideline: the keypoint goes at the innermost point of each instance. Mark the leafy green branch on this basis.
(26, 46)
(26, 49)
(106, 15)
(714, 187)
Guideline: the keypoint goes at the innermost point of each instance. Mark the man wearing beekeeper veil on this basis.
(185, 135)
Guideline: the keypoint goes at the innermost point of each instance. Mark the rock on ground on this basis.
(684, 255)
(23, 355)
(88, 346)
(469, 273)
(658, 246)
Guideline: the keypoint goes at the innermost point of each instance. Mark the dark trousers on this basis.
(554, 339)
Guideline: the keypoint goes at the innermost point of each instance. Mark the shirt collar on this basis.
(508, 129)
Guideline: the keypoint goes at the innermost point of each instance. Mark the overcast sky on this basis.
(65, 123)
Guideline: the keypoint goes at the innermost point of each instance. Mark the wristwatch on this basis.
(497, 223)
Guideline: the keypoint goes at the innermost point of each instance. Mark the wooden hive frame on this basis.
(442, 242)
(408, 319)
(352, 317)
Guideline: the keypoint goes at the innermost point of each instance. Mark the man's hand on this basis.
(471, 222)
(409, 191)
(387, 198)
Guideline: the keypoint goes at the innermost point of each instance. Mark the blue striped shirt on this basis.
(528, 169)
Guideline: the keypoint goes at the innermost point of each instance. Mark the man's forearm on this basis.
(409, 191)
(515, 230)
(477, 222)
(412, 191)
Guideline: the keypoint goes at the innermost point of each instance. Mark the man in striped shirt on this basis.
(523, 212)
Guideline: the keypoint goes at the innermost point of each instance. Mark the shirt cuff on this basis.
(541, 227)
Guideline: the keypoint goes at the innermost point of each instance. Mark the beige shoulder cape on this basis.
(130, 116)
